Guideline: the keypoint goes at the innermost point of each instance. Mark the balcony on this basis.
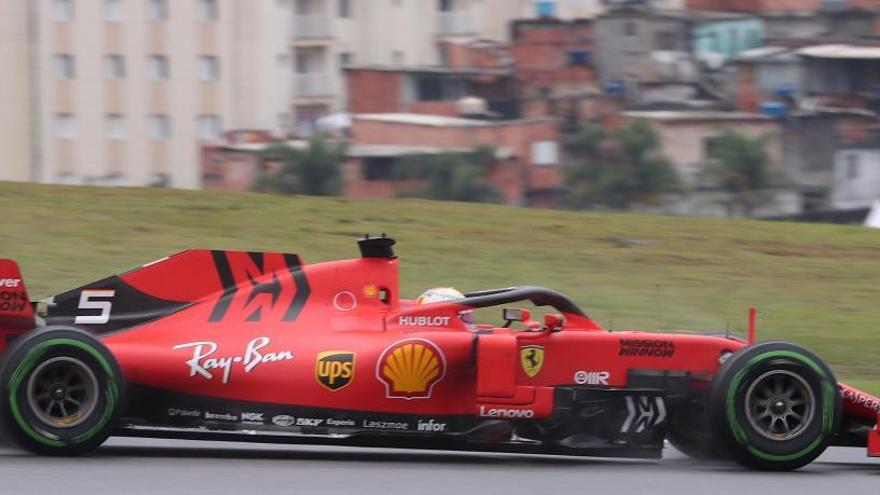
(311, 26)
(455, 22)
(313, 84)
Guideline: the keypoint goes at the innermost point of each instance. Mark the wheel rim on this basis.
(62, 392)
(780, 405)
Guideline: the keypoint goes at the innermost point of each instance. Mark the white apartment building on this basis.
(16, 122)
(127, 91)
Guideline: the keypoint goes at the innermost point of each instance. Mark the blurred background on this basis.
(431, 119)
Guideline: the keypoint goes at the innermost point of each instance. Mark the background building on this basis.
(16, 120)
(126, 91)
(331, 34)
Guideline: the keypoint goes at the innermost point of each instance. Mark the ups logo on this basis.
(334, 369)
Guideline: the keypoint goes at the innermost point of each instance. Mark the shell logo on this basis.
(410, 369)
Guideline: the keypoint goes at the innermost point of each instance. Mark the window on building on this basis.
(379, 168)
(397, 3)
(113, 10)
(209, 127)
(65, 10)
(754, 38)
(710, 145)
(158, 10)
(666, 41)
(209, 68)
(579, 58)
(157, 67)
(398, 57)
(159, 126)
(208, 10)
(65, 66)
(114, 67)
(285, 122)
(346, 59)
(114, 126)
(545, 153)
(445, 5)
(65, 124)
(852, 166)
(630, 28)
(715, 41)
(345, 9)
(303, 63)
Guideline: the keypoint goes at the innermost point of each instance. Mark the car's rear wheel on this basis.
(775, 406)
(60, 390)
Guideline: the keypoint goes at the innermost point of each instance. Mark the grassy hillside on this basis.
(818, 285)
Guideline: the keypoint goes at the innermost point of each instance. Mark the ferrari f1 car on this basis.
(252, 346)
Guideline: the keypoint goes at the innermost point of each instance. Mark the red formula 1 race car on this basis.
(253, 346)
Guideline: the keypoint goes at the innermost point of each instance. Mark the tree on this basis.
(618, 168)
(315, 170)
(450, 176)
(740, 165)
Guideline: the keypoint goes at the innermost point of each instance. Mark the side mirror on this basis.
(511, 315)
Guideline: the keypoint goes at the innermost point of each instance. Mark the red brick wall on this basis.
(541, 52)
(755, 5)
(513, 176)
(373, 91)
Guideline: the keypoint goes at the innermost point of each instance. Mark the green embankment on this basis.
(817, 285)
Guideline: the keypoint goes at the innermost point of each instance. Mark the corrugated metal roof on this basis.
(768, 54)
(673, 116)
(390, 150)
(441, 120)
(841, 51)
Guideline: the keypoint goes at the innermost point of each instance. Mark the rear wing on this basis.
(16, 312)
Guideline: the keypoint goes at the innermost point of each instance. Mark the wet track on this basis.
(137, 466)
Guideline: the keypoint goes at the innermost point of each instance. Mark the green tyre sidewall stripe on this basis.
(828, 406)
(30, 358)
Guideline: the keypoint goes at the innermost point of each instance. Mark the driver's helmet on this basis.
(440, 294)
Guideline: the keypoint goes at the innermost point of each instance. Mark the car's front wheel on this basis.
(775, 406)
(60, 391)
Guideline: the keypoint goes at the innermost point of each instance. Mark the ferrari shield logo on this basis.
(532, 359)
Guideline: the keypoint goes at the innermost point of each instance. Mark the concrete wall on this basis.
(16, 118)
(756, 5)
(626, 43)
(856, 178)
(684, 143)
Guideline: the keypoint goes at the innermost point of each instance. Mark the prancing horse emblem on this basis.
(532, 359)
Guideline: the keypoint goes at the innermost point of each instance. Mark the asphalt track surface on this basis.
(141, 466)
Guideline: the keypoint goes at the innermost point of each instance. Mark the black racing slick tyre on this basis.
(775, 406)
(60, 392)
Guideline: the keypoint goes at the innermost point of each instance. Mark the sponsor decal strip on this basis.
(203, 359)
(591, 377)
(646, 348)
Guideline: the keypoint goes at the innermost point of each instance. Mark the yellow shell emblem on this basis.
(410, 369)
